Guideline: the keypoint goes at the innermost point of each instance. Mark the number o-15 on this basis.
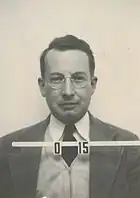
(83, 148)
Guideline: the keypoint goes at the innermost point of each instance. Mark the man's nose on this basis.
(68, 89)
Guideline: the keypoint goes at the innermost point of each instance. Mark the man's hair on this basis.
(68, 42)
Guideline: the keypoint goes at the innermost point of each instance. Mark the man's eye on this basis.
(79, 78)
(56, 79)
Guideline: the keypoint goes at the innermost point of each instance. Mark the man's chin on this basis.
(69, 117)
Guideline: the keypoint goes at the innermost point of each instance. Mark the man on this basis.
(67, 83)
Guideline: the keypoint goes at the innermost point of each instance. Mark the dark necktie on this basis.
(69, 152)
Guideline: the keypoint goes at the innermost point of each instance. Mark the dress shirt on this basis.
(55, 178)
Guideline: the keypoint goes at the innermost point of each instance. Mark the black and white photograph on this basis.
(69, 79)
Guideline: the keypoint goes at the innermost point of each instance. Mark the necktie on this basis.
(69, 152)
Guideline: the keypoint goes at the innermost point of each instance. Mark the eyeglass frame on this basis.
(64, 80)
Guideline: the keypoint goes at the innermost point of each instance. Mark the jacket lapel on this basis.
(24, 162)
(104, 161)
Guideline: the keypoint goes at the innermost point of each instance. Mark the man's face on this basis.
(67, 85)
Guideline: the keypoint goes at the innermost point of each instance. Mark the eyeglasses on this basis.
(78, 80)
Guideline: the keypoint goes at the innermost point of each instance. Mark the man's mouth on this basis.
(69, 105)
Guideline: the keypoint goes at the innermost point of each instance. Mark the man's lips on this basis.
(68, 104)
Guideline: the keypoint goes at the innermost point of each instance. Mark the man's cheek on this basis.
(54, 94)
(84, 94)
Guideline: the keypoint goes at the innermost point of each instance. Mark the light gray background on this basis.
(112, 27)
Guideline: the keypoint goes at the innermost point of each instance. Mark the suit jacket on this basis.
(114, 171)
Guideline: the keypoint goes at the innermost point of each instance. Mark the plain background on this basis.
(111, 27)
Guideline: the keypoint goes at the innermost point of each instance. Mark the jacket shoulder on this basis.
(25, 134)
(117, 133)
(21, 131)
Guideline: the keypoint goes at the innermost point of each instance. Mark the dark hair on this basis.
(68, 42)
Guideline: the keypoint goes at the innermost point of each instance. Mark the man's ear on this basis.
(41, 83)
(94, 83)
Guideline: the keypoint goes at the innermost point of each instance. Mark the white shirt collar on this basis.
(56, 127)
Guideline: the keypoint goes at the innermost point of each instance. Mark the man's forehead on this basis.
(70, 55)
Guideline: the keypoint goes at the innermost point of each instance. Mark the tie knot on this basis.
(70, 128)
(68, 132)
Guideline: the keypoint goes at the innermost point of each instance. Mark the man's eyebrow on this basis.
(79, 73)
(56, 73)
(73, 74)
